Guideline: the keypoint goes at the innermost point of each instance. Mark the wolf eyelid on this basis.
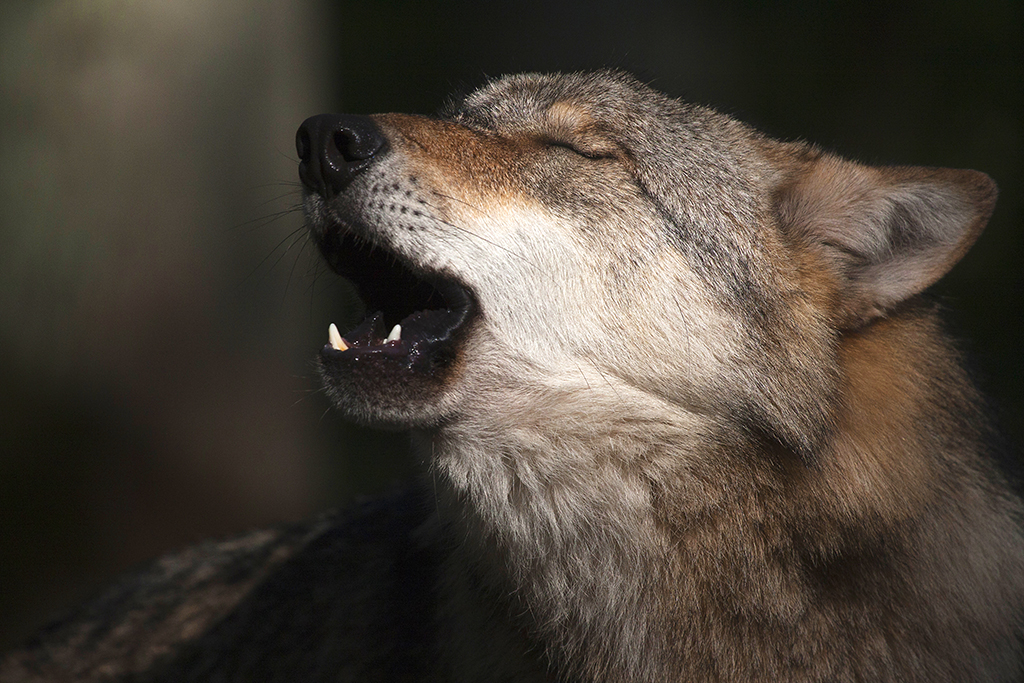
(577, 151)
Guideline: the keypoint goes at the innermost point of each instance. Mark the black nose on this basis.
(334, 148)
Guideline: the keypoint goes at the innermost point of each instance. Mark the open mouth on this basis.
(416, 315)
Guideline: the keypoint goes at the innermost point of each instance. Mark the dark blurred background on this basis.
(159, 306)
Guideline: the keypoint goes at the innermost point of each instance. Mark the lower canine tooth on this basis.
(335, 338)
(396, 333)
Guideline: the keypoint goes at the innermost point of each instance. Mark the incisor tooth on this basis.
(335, 338)
(396, 333)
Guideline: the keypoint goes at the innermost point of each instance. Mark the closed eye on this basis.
(587, 154)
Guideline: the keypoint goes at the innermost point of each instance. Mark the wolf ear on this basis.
(887, 233)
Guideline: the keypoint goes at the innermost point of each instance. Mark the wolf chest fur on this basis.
(682, 411)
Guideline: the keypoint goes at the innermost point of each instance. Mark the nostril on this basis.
(333, 149)
(343, 141)
(357, 143)
(302, 145)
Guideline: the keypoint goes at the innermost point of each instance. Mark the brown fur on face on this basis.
(697, 422)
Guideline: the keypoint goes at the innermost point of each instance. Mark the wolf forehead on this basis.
(612, 114)
(609, 102)
(709, 178)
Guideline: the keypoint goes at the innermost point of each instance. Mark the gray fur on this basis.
(701, 426)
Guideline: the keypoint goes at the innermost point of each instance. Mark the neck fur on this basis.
(561, 522)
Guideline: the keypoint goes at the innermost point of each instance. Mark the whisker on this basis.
(288, 156)
(291, 272)
(296, 236)
(293, 236)
(481, 237)
(601, 372)
(263, 221)
(457, 200)
(295, 185)
(271, 200)
(584, 376)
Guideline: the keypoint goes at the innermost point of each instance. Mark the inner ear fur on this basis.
(887, 233)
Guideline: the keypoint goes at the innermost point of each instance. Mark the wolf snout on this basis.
(334, 148)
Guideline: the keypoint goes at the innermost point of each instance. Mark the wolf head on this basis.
(582, 237)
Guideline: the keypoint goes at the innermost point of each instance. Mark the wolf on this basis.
(683, 411)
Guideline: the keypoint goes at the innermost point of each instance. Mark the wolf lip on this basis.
(418, 314)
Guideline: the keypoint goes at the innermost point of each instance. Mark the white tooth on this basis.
(335, 338)
(396, 333)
